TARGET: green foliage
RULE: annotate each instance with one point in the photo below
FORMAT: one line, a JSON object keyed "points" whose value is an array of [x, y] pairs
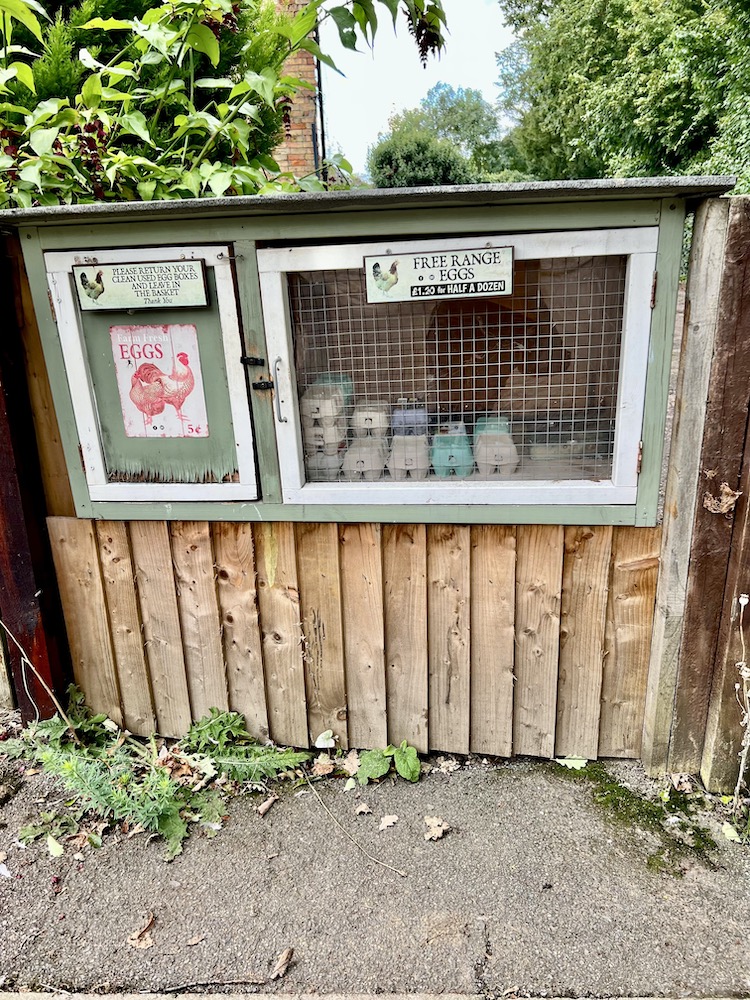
{"points": [[183, 99], [374, 764], [628, 87], [215, 732], [415, 159], [406, 761]]}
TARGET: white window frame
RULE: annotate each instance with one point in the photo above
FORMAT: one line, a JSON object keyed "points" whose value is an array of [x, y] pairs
{"points": [[59, 269], [640, 246]]}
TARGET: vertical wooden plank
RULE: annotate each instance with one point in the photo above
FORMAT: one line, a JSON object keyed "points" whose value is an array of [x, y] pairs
{"points": [[405, 607], [720, 760], [193, 560], [684, 486], [238, 607], [720, 462], [125, 625], [6, 692], [281, 631], [493, 603], [627, 639], [79, 579], [361, 563], [448, 647], [583, 610], [320, 601], [538, 585], [152, 560]]}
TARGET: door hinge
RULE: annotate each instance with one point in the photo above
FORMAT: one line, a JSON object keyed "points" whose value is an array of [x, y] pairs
{"points": [[639, 463], [264, 383], [252, 362], [653, 288]]}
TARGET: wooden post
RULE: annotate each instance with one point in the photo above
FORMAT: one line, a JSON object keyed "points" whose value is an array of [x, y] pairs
{"points": [[28, 594], [683, 512]]}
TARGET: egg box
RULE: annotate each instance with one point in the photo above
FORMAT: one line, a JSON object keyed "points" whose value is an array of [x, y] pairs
{"points": [[329, 439], [323, 403], [410, 456], [371, 419], [365, 459], [410, 418], [323, 467], [451, 454], [342, 382]]}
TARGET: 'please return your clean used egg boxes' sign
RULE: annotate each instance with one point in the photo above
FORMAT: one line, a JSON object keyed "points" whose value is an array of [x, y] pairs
{"points": [[171, 283], [439, 274]]}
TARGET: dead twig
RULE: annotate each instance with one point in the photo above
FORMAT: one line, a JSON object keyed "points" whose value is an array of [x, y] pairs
{"points": [[282, 963], [265, 806], [346, 833]]}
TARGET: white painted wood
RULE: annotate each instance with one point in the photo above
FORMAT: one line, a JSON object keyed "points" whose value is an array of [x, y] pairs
{"points": [[640, 244], [59, 266], [530, 246]]}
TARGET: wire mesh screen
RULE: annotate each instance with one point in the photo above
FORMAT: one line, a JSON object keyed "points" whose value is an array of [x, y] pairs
{"points": [[521, 386]]}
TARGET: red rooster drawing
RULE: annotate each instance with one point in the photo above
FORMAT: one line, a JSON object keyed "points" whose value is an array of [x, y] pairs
{"points": [[152, 389]]}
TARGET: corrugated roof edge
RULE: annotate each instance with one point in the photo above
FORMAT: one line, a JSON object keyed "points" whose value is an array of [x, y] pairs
{"points": [[380, 199]]}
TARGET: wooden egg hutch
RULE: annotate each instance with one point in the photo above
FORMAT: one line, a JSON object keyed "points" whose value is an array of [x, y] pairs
{"points": [[385, 463]]}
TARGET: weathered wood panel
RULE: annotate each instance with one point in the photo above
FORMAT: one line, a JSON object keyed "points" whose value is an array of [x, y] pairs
{"points": [[493, 603], [361, 564], [193, 560], [152, 560], [685, 484], [721, 462], [405, 606], [320, 600], [627, 640], [278, 603], [538, 588], [125, 625], [448, 619], [79, 577], [583, 610], [235, 575]]}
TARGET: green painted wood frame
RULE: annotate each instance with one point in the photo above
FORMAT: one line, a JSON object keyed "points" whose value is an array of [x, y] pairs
{"points": [[246, 233]]}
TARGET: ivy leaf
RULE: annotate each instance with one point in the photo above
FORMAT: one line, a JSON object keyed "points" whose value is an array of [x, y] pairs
{"points": [[406, 760], [202, 39], [135, 123], [263, 83], [54, 847], [325, 741], [146, 190], [373, 764], [91, 91], [42, 140]]}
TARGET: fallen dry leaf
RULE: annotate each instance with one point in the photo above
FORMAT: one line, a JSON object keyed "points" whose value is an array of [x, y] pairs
{"points": [[323, 765], [681, 783], [265, 806], [436, 827], [387, 821], [446, 765], [142, 939], [363, 809], [282, 963], [196, 940], [349, 764]]}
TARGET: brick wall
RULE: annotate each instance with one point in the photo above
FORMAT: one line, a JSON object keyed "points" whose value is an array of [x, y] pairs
{"points": [[298, 151]]}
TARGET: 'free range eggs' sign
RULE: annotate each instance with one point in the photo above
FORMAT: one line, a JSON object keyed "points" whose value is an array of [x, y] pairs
{"points": [[483, 271]]}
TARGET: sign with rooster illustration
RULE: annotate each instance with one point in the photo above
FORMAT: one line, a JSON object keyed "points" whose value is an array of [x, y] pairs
{"points": [[466, 274], [159, 380], [171, 283]]}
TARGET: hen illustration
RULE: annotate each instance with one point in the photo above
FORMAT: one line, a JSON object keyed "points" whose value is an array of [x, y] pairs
{"points": [[151, 388], [385, 281], [93, 288]]}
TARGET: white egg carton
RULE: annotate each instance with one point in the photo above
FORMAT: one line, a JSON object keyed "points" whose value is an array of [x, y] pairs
{"points": [[324, 467], [324, 403], [365, 459], [371, 419], [410, 456], [327, 438]]}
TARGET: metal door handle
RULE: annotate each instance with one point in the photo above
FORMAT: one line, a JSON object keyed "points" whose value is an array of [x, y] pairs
{"points": [[277, 401]]}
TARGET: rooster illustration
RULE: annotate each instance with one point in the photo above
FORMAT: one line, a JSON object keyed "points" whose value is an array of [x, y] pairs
{"points": [[385, 281], [93, 288], [152, 389]]}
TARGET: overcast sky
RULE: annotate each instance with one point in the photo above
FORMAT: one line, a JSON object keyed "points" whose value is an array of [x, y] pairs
{"points": [[390, 78]]}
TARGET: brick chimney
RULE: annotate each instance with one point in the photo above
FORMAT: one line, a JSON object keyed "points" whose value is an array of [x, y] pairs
{"points": [[303, 147]]}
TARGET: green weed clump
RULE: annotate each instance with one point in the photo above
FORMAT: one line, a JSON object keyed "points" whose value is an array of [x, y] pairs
{"points": [[152, 785]]}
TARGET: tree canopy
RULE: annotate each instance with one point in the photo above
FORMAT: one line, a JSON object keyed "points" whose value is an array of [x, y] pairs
{"points": [[628, 87], [127, 100]]}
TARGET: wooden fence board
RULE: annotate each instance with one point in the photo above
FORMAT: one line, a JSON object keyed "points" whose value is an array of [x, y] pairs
{"points": [[361, 563], [281, 630], [152, 560], [320, 601], [538, 587], [493, 603], [405, 603], [583, 610], [193, 560], [448, 591], [125, 625], [79, 578], [684, 480], [238, 606], [627, 640]]}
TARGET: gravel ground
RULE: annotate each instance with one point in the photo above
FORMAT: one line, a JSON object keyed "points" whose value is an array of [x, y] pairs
{"points": [[533, 890]]}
